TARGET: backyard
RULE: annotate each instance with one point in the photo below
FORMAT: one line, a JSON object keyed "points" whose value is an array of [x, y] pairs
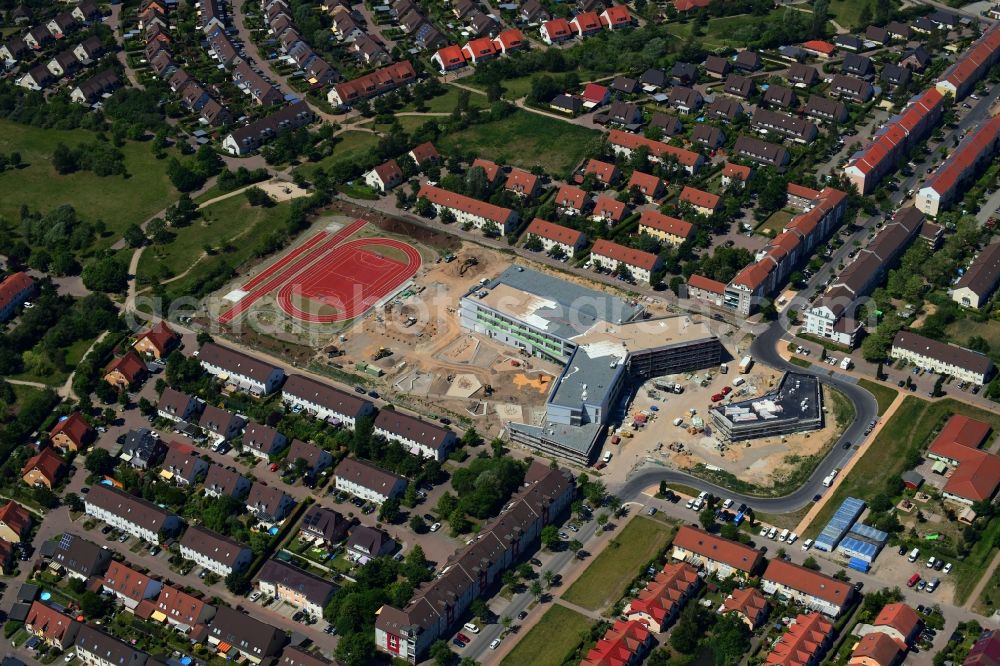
{"points": [[606, 578], [110, 198], [550, 641], [526, 140]]}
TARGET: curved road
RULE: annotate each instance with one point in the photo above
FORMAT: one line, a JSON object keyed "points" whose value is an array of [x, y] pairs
{"points": [[764, 350]]}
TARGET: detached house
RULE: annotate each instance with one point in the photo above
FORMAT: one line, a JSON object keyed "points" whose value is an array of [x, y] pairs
{"points": [[44, 469], [221, 481], [606, 174], [739, 86], [177, 406], [88, 50], [220, 425], [522, 183], [585, 24], [368, 542], [384, 177], [417, 436], [664, 228], [215, 552], [15, 522], [262, 441], [316, 458], [684, 99], [366, 481], [608, 210], [128, 585], [425, 154], [126, 371], [138, 517], [648, 185], [555, 31], [449, 58], [268, 504], [704, 203], [142, 449], [183, 464], [749, 605], [324, 527], [89, 91], [71, 433]]}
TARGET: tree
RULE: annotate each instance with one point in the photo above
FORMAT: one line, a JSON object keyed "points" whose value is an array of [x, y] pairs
{"points": [[536, 589], [258, 197], [707, 518], [93, 605], [74, 503], [417, 524], [133, 236], [64, 159], [389, 511], [819, 18], [548, 577], [811, 563], [479, 609], [688, 630], [99, 462], [550, 536], [441, 653], [575, 545], [356, 649], [237, 583], [107, 274], [730, 640], [602, 519]]}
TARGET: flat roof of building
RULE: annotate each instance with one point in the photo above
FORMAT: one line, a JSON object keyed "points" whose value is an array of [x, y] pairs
{"points": [[579, 438], [562, 308], [794, 399]]}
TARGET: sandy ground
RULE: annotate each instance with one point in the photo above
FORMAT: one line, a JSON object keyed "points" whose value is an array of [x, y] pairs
{"points": [[759, 461]]}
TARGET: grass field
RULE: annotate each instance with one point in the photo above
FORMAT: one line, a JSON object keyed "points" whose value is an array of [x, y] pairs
{"points": [[847, 12], [727, 31], [774, 225], [909, 428], [526, 139], [112, 198], [352, 146], [551, 640], [604, 581], [446, 102], [884, 395], [963, 329], [232, 227], [408, 123], [801, 362]]}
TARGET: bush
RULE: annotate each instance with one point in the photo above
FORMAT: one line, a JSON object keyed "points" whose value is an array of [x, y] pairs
{"points": [[11, 627]]}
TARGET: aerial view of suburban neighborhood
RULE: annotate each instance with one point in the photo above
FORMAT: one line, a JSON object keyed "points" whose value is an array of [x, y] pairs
{"points": [[500, 332]]}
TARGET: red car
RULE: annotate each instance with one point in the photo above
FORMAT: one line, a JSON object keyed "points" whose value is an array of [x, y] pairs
{"points": [[274, 467], [726, 390], [465, 639], [914, 579]]}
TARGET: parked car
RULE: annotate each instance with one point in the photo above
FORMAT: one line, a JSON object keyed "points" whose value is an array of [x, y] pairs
{"points": [[469, 626], [435, 527], [495, 643]]}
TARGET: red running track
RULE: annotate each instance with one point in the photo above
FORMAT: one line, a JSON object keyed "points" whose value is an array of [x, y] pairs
{"points": [[351, 279], [282, 272], [284, 261]]}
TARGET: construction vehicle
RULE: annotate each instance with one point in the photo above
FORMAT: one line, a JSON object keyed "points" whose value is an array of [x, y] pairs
{"points": [[410, 321], [467, 264], [381, 353], [488, 389]]}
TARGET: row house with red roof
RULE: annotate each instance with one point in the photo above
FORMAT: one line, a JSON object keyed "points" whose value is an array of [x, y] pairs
{"points": [[805, 643], [128, 585], [379, 82], [555, 237], [624, 143], [449, 58], [667, 229], [896, 623], [959, 79], [701, 288], [949, 181], [659, 603], [437, 606], [610, 256], [866, 169], [786, 251], [716, 555], [626, 643], [14, 291], [814, 590], [467, 210], [704, 203], [747, 604]]}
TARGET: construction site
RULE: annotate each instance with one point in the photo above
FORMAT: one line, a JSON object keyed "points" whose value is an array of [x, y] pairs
{"points": [[670, 423]]}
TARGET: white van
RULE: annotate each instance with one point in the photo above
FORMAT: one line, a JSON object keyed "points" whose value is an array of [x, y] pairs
{"points": [[738, 381], [784, 535], [792, 537], [607, 456], [914, 554], [771, 533], [807, 544]]}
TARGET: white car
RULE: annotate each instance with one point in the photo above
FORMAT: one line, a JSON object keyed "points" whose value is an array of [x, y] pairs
{"points": [[495, 643], [772, 533], [947, 568], [807, 544], [469, 626], [607, 456], [792, 537], [763, 531], [255, 596], [435, 527], [728, 503]]}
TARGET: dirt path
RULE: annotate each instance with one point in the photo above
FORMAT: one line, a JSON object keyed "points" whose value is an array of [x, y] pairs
{"points": [[984, 580]]}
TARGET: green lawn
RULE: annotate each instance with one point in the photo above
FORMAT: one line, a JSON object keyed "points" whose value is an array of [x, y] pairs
{"points": [[801, 362], [847, 12], [408, 123], [445, 103], [117, 200], [909, 428], [960, 331], [352, 146], [526, 139], [729, 31], [604, 581], [884, 395], [775, 224], [232, 227], [551, 640]]}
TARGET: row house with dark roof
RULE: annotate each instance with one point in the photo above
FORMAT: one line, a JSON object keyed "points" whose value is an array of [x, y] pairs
{"points": [[240, 370], [825, 110], [176, 406], [324, 527], [263, 441], [215, 552], [325, 402], [437, 606], [268, 504], [224, 481], [220, 425], [851, 87], [296, 587], [94, 647], [255, 85], [245, 140], [96, 87], [128, 513], [367, 481], [183, 464], [419, 437], [80, 558], [761, 152], [787, 125], [235, 634], [316, 459]]}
